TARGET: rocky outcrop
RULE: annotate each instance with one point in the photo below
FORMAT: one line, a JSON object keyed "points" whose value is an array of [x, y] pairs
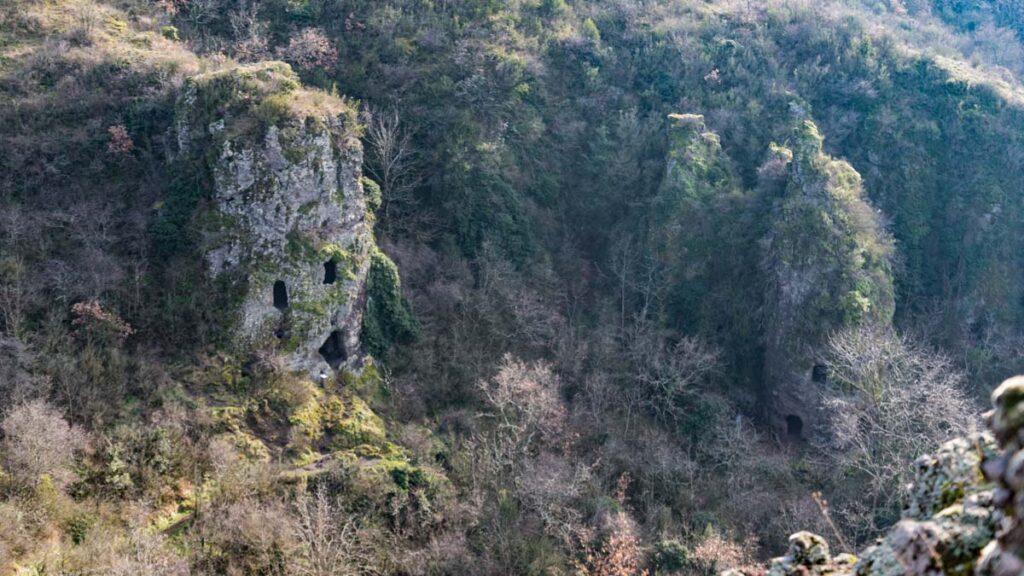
{"points": [[1005, 555], [966, 514], [696, 231], [288, 229], [819, 263], [826, 263]]}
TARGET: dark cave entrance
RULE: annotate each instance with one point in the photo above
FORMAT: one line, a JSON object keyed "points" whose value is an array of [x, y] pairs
{"points": [[333, 350], [330, 272], [819, 374], [794, 426], [280, 295]]}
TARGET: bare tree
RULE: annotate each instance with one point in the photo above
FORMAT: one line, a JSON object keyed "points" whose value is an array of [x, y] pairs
{"points": [[891, 401], [38, 441], [200, 13], [525, 404], [618, 550], [330, 538], [147, 552], [666, 373], [249, 31], [13, 294], [526, 415], [251, 536], [16, 290], [637, 275], [391, 161]]}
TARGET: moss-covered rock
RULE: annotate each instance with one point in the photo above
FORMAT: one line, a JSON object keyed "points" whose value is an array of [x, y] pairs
{"points": [[808, 554], [333, 423], [288, 220], [964, 518], [356, 424], [945, 478], [827, 262], [694, 220]]}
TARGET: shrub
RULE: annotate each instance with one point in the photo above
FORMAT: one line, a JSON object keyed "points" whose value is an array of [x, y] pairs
{"points": [[718, 552], [169, 32], [669, 556], [120, 143], [590, 31], [38, 441], [388, 316], [332, 541], [373, 194], [310, 50], [93, 323], [250, 537]]}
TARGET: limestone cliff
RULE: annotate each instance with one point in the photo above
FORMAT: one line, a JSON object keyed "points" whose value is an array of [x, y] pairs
{"points": [[697, 230], [827, 266], [288, 228]]}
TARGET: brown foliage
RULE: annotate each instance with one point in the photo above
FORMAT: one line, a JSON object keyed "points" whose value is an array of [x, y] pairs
{"points": [[38, 441], [120, 143], [310, 50], [91, 321]]}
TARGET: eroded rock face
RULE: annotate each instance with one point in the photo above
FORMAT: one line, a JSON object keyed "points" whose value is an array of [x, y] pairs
{"points": [[964, 517], [827, 266], [289, 229], [1005, 556]]}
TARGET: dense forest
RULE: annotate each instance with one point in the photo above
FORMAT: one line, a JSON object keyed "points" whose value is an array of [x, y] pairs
{"points": [[593, 287]]}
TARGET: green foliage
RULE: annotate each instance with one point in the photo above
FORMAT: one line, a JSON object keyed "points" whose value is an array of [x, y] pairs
{"points": [[548, 211], [590, 31], [702, 237], [78, 525], [669, 556], [341, 424], [171, 230], [373, 194], [406, 476], [826, 235], [169, 32], [388, 317], [246, 100], [554, 8], [357, 425]]}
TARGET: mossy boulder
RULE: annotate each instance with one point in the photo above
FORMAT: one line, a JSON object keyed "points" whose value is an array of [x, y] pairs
{"points": [[356, 424], [333, 423]]}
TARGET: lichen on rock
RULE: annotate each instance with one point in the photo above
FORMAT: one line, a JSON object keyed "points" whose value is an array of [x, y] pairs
{"points": [[827, 264], [964, 517], [288, 221]]}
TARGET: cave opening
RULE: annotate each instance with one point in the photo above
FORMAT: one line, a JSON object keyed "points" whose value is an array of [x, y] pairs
{"points": [[819, 374], [333, 350], [280, 295], [330, 272], [794, 426]]}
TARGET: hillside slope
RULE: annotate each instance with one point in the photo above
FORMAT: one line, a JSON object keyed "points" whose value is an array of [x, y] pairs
{"points": [[531, 287], [963, 516]]}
